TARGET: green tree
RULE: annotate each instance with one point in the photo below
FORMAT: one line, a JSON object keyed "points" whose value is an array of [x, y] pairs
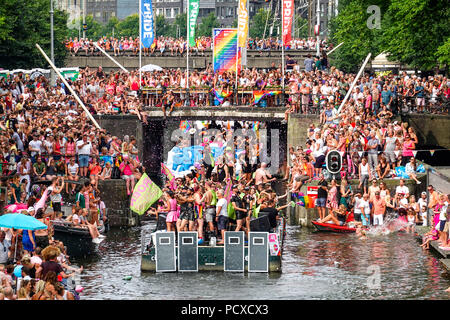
{"points": [[26, 23], [110, 26], [415, 30], [94, 29], [258, 23], [129, 27], [208, 24], [180, 23], [350, 27], [163, 28], [443, 53], [301, 28]]}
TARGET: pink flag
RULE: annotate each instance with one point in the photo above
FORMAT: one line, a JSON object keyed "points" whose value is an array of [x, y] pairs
{"points": [[228, 191], [41, 202], [166, 171]]}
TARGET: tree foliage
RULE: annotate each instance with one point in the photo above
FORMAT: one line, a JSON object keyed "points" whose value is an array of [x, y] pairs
{"points": [[258, 23], [414, 32], [25, 23], [207, 25], [94, 31]]}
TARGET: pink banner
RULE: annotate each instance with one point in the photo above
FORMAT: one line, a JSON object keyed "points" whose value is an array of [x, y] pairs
{"points": [[288, 13]]}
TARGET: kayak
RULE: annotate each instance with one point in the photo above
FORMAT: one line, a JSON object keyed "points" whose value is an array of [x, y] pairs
{"points": [[331, 227]]}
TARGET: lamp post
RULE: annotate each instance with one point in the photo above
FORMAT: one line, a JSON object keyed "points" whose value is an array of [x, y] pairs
{"points": [[52, 53]]}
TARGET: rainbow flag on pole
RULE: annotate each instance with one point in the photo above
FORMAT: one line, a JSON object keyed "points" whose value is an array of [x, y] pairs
{"points": [[221, 95], [258, 95], [225, 51]]}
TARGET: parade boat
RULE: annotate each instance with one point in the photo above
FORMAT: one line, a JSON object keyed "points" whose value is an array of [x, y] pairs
{"points": [[78, 241], [211, 257], [331, 227], [328, 226]]}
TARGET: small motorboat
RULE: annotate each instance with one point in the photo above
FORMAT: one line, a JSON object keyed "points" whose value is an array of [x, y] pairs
{"points": [[331, 227], [77, 240]]}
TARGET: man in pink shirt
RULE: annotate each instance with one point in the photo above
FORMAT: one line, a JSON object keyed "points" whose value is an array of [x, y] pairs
{"points": [[378, 209], [126, 168]]}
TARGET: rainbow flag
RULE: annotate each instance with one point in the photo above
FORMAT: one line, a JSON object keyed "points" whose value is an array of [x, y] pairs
{"points": [[258, 95], [166, 171], [185, 126], [225, 53], [221, 95], [255, 126], [303, 200]]}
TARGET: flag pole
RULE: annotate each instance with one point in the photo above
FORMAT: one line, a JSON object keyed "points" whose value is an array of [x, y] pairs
{"points": [[354, 82], [187, 52], [69, 87], [282, 42], [112, 59], [140, 43], [237, 61]]}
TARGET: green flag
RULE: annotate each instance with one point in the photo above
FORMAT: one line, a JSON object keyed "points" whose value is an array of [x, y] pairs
{"points": [[194, 7], [144, 195]]}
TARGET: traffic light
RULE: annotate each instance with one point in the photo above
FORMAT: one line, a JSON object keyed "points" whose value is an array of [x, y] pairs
{"points": [[334, 162]]}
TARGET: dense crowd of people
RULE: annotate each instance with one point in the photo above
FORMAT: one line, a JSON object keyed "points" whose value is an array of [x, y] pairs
{"points": [[51, 157], [47, 139], [170, 46]]}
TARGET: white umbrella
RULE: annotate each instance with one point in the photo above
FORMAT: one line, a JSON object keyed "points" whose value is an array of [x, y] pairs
{"points": [[150, 68]]}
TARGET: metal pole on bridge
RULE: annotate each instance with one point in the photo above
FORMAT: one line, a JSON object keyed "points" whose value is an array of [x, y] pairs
{"points": [[331, 51], [112, 59], [68, 86], [354, 82]]}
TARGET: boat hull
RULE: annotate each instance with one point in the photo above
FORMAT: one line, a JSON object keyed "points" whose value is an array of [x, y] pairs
{"points": [[328, 227], [78, 241], [212, 258]]}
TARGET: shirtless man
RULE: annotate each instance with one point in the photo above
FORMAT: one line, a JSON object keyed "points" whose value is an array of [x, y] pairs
{"points": [[198, 207], [186, 202], [261, 175], [210, 200]]}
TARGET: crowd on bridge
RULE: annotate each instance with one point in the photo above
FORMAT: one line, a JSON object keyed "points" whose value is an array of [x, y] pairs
{"points": [[169, 46]]}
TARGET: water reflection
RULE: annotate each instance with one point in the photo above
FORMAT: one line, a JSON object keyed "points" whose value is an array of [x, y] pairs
{"points": [[315, 266]]}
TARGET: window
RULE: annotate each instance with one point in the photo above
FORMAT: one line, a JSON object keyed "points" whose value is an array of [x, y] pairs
{"points": [[168, 12], [176, 11]]}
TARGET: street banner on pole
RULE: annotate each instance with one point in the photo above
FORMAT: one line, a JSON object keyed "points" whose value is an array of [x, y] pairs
{"points": [[242, 23], [225, 53], [288, 13], [147, 35], [194, 6]]}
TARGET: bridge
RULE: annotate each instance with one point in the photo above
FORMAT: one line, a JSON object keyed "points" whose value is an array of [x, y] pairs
{"points": [[240, 113], [255, 59]]}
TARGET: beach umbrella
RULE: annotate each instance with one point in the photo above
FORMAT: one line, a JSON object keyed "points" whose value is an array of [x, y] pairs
{"points": [[21, 221], [150, 68]]}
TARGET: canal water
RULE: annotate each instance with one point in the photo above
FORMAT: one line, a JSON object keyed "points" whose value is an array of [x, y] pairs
{"points": [[315, 266]]}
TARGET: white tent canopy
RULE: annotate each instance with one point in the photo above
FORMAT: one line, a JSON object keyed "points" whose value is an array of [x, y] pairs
{"points": [[150, 68], [382, 61]]}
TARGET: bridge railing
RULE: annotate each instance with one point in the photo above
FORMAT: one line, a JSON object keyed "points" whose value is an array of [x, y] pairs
{"points": [[269, 97], [207, 52]]}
